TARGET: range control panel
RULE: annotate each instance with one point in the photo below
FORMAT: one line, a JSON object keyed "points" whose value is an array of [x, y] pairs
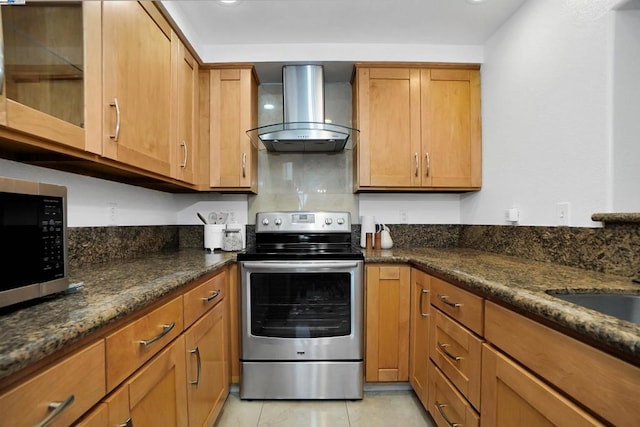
{"points": [[303, 221]]}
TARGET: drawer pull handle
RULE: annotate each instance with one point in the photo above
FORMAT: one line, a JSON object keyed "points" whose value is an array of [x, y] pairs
{"points": [[443, 347], [56, 409], [445, 299], [441, 407], [128, 423], [423, 292], [199, 362], [415, 156], [165, 330], [116, 134], [213, 295]]}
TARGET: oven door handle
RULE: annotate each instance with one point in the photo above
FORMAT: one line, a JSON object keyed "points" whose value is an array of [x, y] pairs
{"points": [[279, 265]]}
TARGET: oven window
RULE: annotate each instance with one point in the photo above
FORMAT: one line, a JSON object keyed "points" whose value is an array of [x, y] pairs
{"points": [[300, 305]]}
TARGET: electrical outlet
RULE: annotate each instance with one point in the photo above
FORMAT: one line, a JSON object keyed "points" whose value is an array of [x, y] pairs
{"points": [[563, 212], [112, 213], [404, 217]]}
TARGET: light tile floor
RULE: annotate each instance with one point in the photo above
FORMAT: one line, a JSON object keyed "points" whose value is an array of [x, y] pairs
{"points": [[376, 409]]}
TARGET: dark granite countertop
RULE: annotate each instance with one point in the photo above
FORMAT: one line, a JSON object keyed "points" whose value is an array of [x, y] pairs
{"points": [[524, 284], [112, 290]]}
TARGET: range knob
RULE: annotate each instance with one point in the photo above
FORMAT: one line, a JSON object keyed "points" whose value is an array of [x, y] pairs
{"points": [[265, 221], [328, 221], [278, 221], [340, 221]]}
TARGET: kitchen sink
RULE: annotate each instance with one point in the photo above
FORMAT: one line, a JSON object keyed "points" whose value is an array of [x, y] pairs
{"points": [[622, 306]]}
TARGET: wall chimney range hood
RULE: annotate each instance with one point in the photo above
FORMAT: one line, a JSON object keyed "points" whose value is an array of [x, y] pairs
{"points": [[303, 128]]}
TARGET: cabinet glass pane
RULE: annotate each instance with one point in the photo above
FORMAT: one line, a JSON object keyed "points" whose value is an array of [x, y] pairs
{"points": [[44, 58]]}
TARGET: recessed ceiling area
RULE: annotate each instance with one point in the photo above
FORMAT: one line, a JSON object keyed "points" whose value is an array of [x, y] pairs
{"points": [[268, 31]]}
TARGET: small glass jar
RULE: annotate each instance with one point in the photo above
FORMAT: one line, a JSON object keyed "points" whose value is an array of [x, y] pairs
{"points": [[232, 240]]}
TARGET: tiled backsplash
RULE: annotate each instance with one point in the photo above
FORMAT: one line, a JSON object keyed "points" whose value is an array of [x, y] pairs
{"points": [[613, 249], [311, 181]]}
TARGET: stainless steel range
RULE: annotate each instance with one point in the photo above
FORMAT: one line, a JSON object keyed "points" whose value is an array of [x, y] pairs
{"points": [[302, 308]]}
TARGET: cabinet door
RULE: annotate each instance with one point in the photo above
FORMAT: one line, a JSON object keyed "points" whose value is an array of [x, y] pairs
{"points": [[156, 394], [451, 133], [233, 110], [387, 323], [50, 69], [184, 113], [72, 386], [511, 396], [388, 116], [419, 339], [132, 345], [207, 366], [137, 85]]}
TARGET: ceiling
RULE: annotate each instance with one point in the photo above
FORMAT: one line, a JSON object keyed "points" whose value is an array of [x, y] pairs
{"points": [[285, 23]]}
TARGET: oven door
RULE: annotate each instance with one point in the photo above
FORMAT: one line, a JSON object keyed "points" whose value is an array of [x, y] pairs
{"points": [[302, 310]]}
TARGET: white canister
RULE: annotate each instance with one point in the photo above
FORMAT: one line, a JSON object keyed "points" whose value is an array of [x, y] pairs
{"points": [[367, 225], [213, 236]]}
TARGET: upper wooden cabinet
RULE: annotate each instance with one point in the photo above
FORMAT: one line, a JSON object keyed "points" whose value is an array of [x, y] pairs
{"points": [[420, 128], [136, 100], [184, 134], [52, 69], [229, 107]]}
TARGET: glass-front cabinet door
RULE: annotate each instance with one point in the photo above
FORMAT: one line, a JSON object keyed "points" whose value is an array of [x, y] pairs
{"points": [[45, 63]]}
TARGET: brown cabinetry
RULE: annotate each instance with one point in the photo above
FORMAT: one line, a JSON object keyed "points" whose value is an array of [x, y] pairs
{"points": [[184, 113], [420, 128], [136, 48], [419, 338], [387, 322], [455, 352], [513, 396], [207, 368], [51, 70], [129, 347], [229, 104], [156, 394], [601, 384], [62, 392]]}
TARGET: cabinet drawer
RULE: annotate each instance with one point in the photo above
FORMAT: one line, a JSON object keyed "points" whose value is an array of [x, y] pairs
{"points": [[446, 405], [606, 385], [80, 377], [129, 347], [457, 352], [463, 306], [204, 297]]}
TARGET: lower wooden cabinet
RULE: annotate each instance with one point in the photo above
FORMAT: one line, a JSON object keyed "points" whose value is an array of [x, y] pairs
{"points": [[600, 383], [387, 322], [72, 386], [447, 405], [156, 394], [512, 396], [207, 369], [419, 334]]}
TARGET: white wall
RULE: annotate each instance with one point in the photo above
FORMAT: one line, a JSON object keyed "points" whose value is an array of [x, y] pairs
{"points": [[626, 109], [95, 202], [546, 106]]}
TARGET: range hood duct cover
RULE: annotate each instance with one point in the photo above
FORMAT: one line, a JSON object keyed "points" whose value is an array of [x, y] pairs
{"points": [[303, 128]]}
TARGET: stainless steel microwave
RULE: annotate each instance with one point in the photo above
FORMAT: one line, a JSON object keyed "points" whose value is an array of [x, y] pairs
{"points": [[33, 240]]}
